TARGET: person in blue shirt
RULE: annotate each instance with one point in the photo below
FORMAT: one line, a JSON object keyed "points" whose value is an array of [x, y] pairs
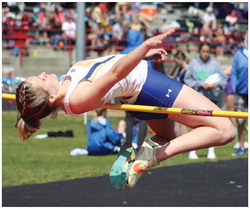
{"points": [[239, 83], [102, 138]]}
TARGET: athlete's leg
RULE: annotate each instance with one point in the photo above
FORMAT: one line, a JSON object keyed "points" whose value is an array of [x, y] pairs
{"points": [[206, 132]]}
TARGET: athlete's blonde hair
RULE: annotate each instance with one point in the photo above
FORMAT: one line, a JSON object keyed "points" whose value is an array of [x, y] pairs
{"points": [[32, 105]]}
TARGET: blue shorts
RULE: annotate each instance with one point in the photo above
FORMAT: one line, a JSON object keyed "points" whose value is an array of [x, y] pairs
{"points": [[158, 90]]}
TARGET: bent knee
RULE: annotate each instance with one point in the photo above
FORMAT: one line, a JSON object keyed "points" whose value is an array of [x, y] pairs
{"points": [[227, 131]]}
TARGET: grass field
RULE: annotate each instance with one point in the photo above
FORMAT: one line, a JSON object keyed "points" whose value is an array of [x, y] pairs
{"points": [[46, 160]]}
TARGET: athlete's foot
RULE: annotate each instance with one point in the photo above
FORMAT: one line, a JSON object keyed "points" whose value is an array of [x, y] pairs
{"points": [[145, 159], [119, 170]]}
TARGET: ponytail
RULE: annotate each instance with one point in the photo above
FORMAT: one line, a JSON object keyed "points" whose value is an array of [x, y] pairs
{"points": [[26, 126], [32, 105]]}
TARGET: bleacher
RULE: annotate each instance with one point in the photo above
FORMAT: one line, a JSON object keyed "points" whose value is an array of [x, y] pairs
{"points": [[44, 58]]}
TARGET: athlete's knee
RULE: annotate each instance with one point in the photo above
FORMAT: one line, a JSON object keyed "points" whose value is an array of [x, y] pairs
{"points": [[227, 131]]}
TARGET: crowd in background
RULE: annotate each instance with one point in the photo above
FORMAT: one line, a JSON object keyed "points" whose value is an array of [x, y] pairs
{"points": [[54, 23]]}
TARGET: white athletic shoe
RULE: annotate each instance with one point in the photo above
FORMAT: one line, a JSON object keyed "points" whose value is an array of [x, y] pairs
{"points": [[246, 145], [192, 155], [211, 156], [211, 153], [237, 145], [145, 159]]}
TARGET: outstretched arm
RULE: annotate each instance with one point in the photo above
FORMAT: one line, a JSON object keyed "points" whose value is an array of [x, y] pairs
{"points": [[126, 64], [88, 95]]}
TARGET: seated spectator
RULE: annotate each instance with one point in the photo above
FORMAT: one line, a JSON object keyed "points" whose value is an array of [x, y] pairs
{"points": [[232, 21], [136, 24], [94, 12], [178, 73], [35, 20], [134, 39], [117, 30], [102, 138], [207, 36], [181, 63], [69, 29], [208, 20], [96, 35], [220, 42], [104, 6], [124, 10], [9, 24], [59, 14], [56, 35]]}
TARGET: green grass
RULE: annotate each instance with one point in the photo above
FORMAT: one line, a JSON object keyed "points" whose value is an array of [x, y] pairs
{"points": [[46, 160]]}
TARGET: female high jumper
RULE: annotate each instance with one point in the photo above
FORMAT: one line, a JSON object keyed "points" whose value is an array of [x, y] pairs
{"points": [[92, 83]]}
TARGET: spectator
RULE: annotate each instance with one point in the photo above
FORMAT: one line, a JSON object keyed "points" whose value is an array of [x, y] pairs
{"points": [[124, 10], [56, 34], [104, 6], [220, 41], [95, 34], [69, 29], [42, 13], [232, 21], [8, 23], [131, 124], [178, 73], [117, 30], [229, 94], [206, 76], [134, 39], [135, 23], [97, 22], [181, 64], [94, 12], [117, 34], [102, 138], [208, 19], [59, 14], [207, 36], [239, 82], [36, 21]]}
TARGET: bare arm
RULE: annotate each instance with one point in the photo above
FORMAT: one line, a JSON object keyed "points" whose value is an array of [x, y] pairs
{"points": [[88, 95]]}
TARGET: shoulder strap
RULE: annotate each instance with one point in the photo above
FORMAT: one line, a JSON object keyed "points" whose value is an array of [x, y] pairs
{"points": [[72, 86]]}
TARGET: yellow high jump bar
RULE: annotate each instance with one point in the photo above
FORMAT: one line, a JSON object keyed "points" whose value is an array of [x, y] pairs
{"points": [[8, 96], [164, 110]]}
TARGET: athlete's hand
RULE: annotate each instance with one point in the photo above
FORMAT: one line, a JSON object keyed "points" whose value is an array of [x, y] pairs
{"points": [[157, 55], [157, 41]]}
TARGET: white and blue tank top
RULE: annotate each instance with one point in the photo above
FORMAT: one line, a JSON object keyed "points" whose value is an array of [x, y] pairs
{"points": [[126, 90]]}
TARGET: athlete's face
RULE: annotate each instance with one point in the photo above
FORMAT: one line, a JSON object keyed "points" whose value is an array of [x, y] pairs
{"points": [[48, 82], [205, 53]]}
